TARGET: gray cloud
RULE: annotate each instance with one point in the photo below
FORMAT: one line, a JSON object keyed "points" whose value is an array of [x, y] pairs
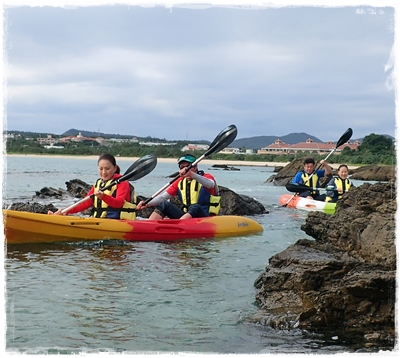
{"points": [[181, 72]]}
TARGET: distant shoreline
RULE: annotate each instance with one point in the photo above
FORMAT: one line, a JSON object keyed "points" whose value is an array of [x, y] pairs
{"points": [[237, 163], [161, 160]]}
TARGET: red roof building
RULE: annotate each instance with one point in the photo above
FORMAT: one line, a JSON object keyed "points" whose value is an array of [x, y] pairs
{"points": [[279, 147]]}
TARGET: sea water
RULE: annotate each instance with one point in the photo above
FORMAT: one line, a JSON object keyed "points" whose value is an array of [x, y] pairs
{"points": [[131, 297]]}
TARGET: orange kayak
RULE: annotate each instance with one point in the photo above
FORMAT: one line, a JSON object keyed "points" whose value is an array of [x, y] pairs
{"points": [[307, 204]]}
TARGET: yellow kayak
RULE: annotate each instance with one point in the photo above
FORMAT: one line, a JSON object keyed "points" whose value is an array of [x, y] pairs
{"points": [[22, 227]]}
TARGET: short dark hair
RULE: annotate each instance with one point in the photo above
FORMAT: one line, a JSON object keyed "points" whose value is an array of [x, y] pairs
{"points": [[343, 165], [111, 159], [309, 161]]}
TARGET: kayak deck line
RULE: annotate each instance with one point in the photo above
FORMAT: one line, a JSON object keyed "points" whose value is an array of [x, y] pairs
{"points": [[83, 223], [26, 227]]}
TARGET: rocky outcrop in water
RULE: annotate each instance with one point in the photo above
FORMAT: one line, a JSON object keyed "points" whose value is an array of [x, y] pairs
{"points": [[32, 207], [344, 281], [231, 202], [374, 173], [225, 167]]}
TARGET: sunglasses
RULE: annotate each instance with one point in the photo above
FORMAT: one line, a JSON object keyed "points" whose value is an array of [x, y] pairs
{"points": [[183, 166]]}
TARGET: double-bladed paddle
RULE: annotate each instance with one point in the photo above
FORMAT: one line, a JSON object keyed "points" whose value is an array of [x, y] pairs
{"points": [[137, 170], [221, 141], [301, 188], [342, 140]]}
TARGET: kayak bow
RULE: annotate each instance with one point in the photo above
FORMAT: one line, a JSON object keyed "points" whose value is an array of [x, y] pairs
{"points": [[307, 204]]}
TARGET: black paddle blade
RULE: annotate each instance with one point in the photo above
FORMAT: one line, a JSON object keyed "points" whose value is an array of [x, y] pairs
{"points": [[140, 168], [297, 188], [344, 138], [222, 140]]}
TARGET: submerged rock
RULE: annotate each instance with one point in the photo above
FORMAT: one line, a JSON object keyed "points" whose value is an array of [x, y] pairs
{"points": [[225, 167], [343, 281]]}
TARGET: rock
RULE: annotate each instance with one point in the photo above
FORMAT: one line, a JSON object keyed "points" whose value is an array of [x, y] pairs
{"points": [[32, 207], [363, 226], [77, 188], [46, 192], [287, 173], [237, 204], [374, 173], [224, 167], [344, 281]]}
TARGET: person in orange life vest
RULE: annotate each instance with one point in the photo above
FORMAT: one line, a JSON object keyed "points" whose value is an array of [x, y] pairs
{"points": [[311, 179], [338, 185], [197, 191], [114, 203]]}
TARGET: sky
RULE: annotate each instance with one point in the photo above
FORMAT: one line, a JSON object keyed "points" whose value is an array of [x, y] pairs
{"points": [[188, 71]]}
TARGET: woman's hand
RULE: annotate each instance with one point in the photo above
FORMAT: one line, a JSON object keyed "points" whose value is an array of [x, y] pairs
{"points": [[99, 194], [58, 212]]}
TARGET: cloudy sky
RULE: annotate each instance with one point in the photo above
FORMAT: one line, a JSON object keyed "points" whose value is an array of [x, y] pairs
{"points": [[187, 72]]}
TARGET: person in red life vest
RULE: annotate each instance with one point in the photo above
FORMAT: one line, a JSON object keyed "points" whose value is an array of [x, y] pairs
{"points": [[198, 192], [338, 185], [114, 203]]}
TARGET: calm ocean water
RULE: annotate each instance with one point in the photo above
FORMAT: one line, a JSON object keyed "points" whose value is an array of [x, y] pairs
{"points": [[191, 296]]}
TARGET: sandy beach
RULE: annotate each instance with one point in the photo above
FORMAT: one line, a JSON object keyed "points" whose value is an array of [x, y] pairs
{"points": [[236, 163], [162, 160]]}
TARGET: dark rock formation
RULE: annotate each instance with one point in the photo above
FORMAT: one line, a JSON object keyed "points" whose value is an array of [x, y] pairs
{"points": [[32, 207], [224, 167], [286, 174], [237, 204], [48, 191], [77, 188], [344, 281], [374, 172]]}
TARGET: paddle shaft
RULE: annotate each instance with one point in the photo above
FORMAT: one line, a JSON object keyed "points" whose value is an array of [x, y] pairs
{"points": [[86, 198], [306, 188], [166, 186], [222, 140]]}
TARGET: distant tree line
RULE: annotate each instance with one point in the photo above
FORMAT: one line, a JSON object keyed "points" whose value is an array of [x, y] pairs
{"points": [[375, 149]]}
